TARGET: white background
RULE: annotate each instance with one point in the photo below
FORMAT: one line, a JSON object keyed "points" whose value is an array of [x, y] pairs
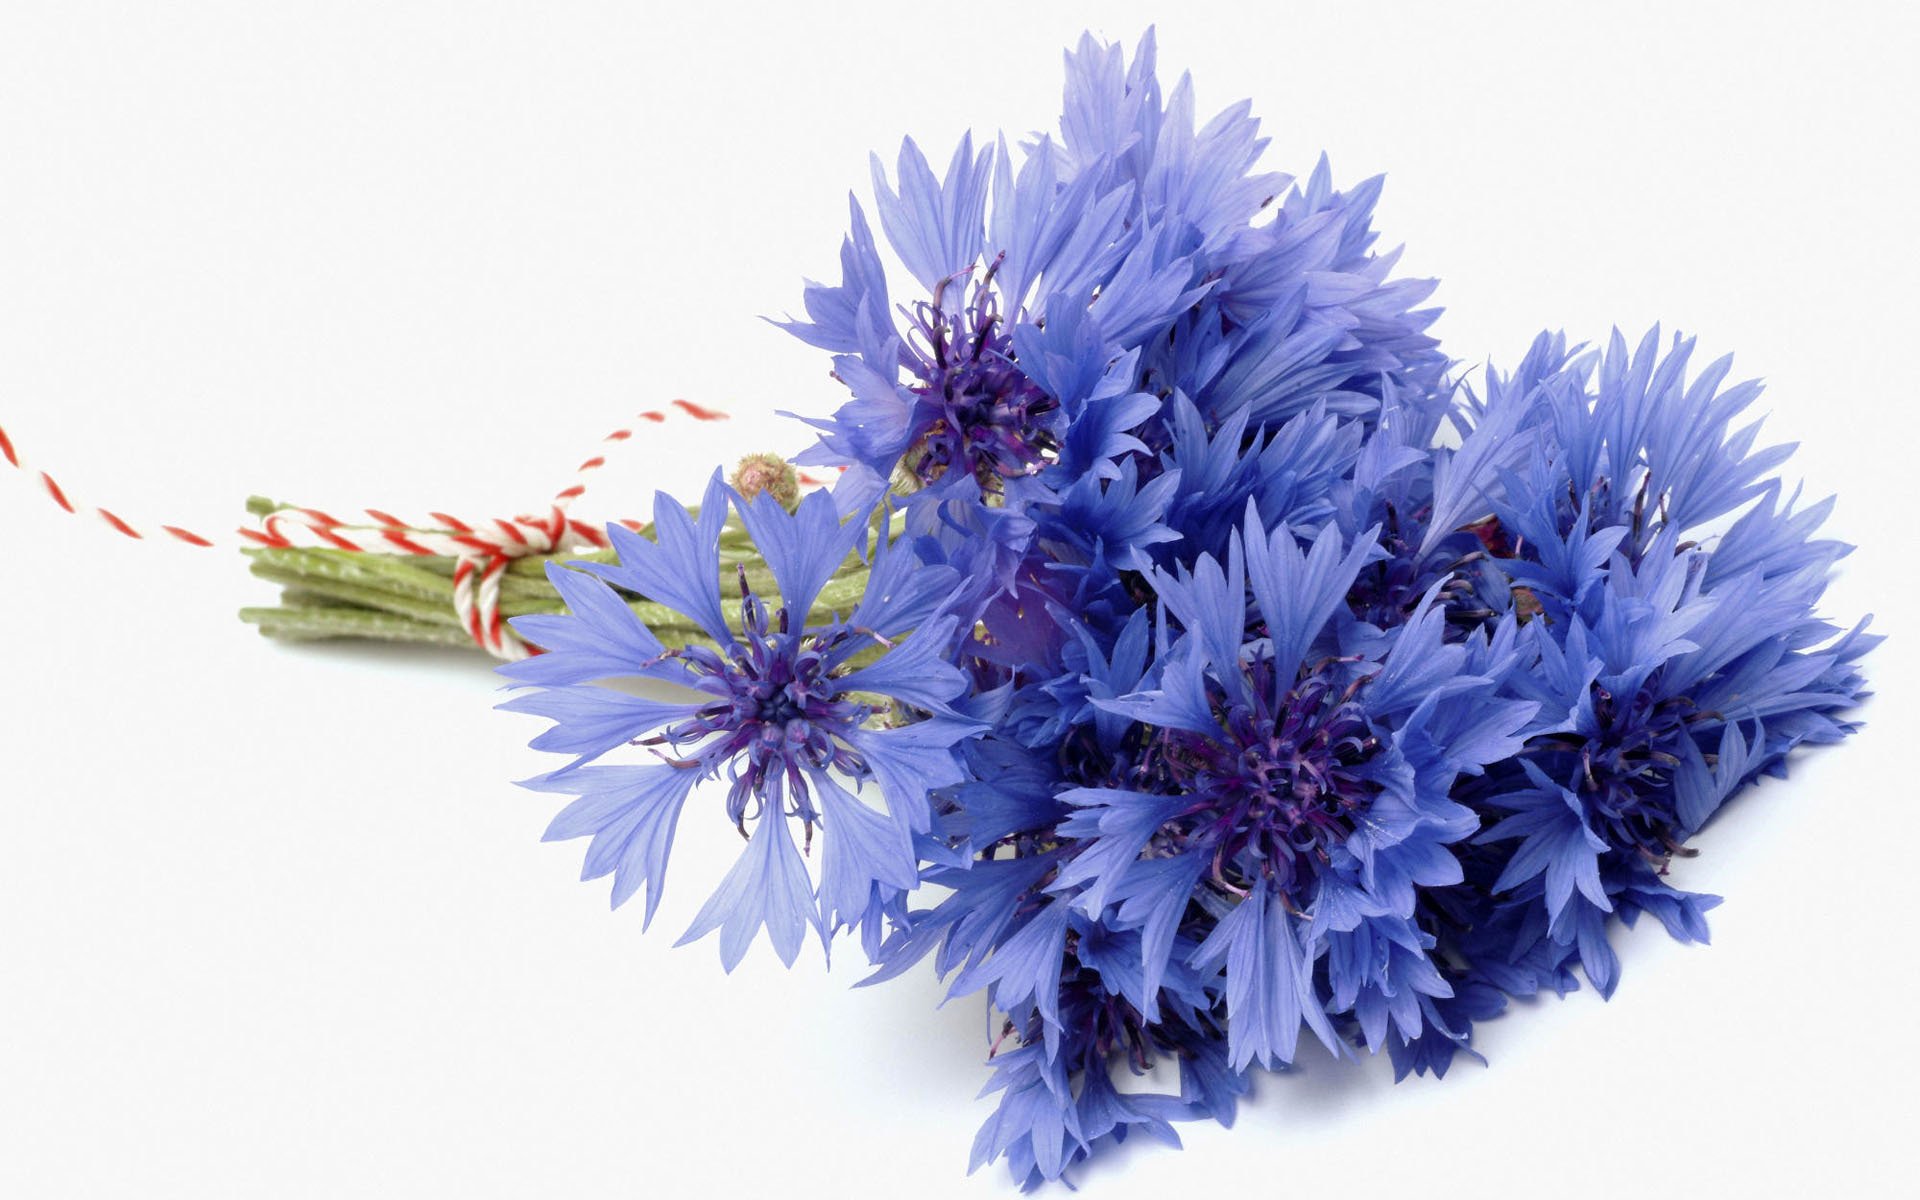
{"points": [[274, 922]]}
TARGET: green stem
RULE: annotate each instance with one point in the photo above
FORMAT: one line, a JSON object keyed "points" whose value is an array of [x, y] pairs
{"points": [[317, 624], [347, 594], [340, 586]]}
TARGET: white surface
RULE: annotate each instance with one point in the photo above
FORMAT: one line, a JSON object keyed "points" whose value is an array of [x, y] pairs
{"points": [[274, 922]]}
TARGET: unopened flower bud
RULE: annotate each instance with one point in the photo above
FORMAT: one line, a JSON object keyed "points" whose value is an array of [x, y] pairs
{"points": [[768, 473]]}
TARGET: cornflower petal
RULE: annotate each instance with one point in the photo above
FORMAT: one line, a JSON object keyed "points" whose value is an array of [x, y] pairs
{"points": [[590, 720], [680, 566], [767, 886], [630, 814]]}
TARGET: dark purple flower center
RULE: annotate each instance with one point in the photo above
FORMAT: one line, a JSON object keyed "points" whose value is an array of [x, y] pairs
{"points": [[1086, 760], [1623, 775], [977, 413], [1099, 1023], [1385, 593], [1281, 786], [778, 712]]}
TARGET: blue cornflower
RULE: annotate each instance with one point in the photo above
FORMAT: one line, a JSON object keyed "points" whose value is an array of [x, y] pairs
{"points": [[1296, 796], [1076, 1000], [1062, 300], [1290, 475], [1053, 1064], [807, 720], [1071, 991], [1430, 502], [1673, 664], [988, 395], [1230, 834], [1112, 340]]}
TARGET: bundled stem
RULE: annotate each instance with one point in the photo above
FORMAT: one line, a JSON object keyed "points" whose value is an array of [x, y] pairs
{"points": [[327, 594]]}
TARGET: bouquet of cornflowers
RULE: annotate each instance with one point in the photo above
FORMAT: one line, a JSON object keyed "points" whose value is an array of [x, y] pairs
{"points": [[1185, 658]]}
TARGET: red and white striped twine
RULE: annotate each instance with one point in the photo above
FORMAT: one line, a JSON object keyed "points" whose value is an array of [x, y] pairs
{"points": [[482, 549], [59, 496]]}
